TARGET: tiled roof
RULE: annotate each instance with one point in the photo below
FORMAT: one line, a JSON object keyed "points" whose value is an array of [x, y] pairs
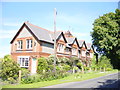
{"points": [[41, 33], [89, 45], [70, 39], [57, 35]]}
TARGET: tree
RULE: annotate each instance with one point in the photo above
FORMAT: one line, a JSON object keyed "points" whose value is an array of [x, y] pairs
{"points": [[9, 70], [104, 63], [106, 36]]}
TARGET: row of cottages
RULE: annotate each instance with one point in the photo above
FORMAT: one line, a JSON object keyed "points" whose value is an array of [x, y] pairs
{"points": [[32, 42]]}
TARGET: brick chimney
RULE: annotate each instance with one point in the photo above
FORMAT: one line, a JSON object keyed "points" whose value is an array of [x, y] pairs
{"points": [[68, 34]]}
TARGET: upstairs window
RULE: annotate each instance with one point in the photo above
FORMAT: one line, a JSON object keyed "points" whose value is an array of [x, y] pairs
{"points": [[20, 44], [74, 51], [67, 50], [83, 53], [60, 47], [29, 44]]}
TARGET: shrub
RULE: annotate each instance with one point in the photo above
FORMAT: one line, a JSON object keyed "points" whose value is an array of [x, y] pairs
{"points": [[109, 69], [66, 67], [31, 79], [24, 72], [9, 70], [42, 65]]}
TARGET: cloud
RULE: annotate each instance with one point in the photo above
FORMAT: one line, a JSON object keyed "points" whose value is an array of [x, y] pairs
{"points": [[11, 24]]}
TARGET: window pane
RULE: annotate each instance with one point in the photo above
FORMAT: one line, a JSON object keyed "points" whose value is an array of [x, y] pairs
{"points": [[23, 61], [21, 44], [26, 62], [31, 43], [27, 43]]}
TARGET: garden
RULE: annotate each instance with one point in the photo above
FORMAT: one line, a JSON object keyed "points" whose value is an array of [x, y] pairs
{"points": [[67, 70]]}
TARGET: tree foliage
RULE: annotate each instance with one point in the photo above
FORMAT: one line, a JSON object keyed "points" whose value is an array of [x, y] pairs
{"points": [[9, 70], [106, 36]]}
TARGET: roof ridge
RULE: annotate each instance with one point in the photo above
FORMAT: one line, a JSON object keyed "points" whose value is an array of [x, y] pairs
{"points": [[39, 27]]}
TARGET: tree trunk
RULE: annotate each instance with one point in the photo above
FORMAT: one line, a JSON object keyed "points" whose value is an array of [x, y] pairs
{"points": [[104, 69]]}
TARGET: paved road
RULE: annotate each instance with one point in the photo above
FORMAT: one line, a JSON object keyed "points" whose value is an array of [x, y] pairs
{"points": [[108, 81]]}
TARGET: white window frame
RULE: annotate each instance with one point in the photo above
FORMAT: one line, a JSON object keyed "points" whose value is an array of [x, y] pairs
{"points": [[29, 44], [74, 51], [60, 47], [19, 44], [67, 50], [91, 55], [23, 63], [83, 53]]}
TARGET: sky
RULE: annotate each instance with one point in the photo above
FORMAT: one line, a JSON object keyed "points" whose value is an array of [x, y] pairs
{"points": [[77, 17]]}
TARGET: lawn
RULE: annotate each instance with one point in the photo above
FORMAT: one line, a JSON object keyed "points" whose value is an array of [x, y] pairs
{"points": [[71, 78]]}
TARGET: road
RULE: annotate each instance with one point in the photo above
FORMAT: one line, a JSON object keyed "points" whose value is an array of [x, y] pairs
{"points": [[108, 81]]}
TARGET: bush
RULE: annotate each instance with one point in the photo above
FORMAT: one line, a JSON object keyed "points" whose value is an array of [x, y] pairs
{"points": [[109, 69], [24, 72], [48, 76], [10, 70], [66, 67], [31, 79], [42, 65]]}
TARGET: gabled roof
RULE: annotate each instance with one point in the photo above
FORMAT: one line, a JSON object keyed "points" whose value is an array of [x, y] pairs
{"points": [[70, 40], [58, 34], [81, 42], [89, 46], [39, 33]]}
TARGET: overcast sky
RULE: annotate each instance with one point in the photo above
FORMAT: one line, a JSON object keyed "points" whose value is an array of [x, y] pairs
{"points": [[77, 17]]}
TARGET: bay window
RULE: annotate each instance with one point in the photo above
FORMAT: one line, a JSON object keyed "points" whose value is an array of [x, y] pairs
{"points": [[23, 61]]}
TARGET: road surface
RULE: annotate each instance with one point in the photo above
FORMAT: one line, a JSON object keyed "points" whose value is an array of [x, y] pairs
{"points": [[108, 81]]}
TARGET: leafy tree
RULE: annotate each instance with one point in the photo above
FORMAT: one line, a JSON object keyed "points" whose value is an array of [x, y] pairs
{"points": [[9, 70], [104, 63], [106, 36]]}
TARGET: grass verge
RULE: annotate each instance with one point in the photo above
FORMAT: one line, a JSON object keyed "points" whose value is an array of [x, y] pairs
{"points": [[71, 78]]}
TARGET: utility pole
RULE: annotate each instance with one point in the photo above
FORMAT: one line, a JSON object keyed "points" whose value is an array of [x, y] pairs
{"points": [[55, 13]]}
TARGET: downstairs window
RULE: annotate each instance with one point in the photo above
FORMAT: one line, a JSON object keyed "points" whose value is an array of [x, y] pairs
{"points": [[23, 61]]}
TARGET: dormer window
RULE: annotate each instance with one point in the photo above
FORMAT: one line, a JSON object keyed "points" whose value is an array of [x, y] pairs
{"points": [[20, 44], [29, 44]]}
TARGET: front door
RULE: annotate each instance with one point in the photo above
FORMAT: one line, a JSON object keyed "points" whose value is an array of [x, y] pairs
{"points": [[34, 66]]}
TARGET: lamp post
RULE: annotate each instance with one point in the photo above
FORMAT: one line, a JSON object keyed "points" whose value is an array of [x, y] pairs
{"points": [[55, 13]]}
